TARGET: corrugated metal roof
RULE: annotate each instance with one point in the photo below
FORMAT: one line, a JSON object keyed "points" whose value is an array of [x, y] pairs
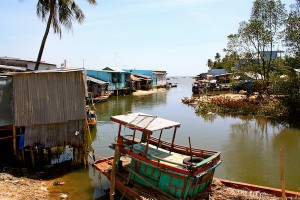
{"points": [[44, 71], [143, 121], [113, 69], [20, 60], [88, 78], [159, 72], [13, 67], [143, 77]]}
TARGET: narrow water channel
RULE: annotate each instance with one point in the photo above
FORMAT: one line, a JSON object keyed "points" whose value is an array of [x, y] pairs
{"points": [[250, 148]]}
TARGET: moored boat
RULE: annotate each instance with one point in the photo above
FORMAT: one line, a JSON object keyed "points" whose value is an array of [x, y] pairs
{"points": [[197, 87], [144, 161], [101, 98]]}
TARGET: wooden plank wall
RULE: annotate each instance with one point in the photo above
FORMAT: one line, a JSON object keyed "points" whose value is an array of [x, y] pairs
{"points": [[48, 98]]}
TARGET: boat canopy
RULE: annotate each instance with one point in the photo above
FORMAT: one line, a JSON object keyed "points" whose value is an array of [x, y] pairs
{"points": [[144, 122]]}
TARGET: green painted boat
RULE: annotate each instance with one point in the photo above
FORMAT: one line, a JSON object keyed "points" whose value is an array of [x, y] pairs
{"points": [[144, 161]]}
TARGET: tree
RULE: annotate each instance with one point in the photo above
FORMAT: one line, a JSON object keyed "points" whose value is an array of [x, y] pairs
{"points": [[210, 63], [292, 30], [259, 35], [60, 13]]}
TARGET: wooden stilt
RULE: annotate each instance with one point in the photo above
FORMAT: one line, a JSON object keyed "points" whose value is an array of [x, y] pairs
{"points": [[32, 157], [15, 141], [23, 157]]}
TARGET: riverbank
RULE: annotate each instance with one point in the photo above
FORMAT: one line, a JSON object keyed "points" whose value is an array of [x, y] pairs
{"points": [[23, 188]]}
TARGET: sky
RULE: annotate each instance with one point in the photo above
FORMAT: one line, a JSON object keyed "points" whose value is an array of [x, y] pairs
{"points": [[177, 36]]}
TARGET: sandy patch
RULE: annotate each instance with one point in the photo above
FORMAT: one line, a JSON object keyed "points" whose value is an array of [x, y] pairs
{"points": [[144, 92]]}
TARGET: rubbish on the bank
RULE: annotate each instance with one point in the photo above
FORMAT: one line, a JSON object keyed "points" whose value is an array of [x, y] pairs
{"points": [[56, 183], [63, 196]]}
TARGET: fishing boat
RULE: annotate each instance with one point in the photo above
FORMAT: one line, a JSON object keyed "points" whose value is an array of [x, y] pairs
{"points": [[146, 166], [91, 117], [197, 87]]}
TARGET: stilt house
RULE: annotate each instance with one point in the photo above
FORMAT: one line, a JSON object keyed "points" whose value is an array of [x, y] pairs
{"points": [[43, 109]]}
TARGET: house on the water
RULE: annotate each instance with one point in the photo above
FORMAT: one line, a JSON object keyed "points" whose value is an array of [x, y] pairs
{"points": [[119, 80], [41, 110], [97, 90], [159, 78], [8, 64]]}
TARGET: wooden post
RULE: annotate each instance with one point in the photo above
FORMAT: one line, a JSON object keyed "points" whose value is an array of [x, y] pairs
{"points": [[23, 157], [282, 172], [159, 138], [32, 157], [173, 139], [14, 141], [113, 173], [191, 149]]}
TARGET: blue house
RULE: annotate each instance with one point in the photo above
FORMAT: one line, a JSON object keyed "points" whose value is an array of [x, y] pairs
{"points": [[159, 78], [119, 80]]}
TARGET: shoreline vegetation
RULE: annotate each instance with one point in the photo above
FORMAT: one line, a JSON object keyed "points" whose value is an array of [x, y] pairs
{"points": [[240, 105]]}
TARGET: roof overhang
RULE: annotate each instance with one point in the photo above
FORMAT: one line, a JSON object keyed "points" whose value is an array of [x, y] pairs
{"points": [[13, 68], [88, 78]]}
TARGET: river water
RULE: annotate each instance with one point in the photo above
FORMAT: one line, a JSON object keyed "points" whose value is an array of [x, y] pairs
{"points": [[250, 147]]}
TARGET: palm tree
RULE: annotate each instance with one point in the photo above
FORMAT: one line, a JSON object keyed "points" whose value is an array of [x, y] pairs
{"points": [[209, 63], [60, 13]]}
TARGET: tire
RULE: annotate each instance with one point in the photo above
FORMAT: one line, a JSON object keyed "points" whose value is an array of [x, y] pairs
{"points": [[194, 160]]}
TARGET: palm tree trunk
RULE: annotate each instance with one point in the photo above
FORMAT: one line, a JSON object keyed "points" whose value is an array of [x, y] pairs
{"points": [[43, 42]]}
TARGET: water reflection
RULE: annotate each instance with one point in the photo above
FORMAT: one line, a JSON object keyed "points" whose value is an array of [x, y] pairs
{"points": [[252, 153]]}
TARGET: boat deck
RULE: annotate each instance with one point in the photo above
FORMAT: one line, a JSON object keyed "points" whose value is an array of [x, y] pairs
{"points": [[165, 156]]}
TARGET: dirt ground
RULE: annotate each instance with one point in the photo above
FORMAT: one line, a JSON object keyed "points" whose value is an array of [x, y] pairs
{"points": [[21, 188]]}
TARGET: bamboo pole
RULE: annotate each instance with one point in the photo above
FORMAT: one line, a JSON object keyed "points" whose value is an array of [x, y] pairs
{"points": [[282, 172], [113, 174]]}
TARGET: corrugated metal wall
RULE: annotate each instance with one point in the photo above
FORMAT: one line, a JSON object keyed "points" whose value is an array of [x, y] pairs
{"points": [[6, 107], [55, 134], [48, 98]]}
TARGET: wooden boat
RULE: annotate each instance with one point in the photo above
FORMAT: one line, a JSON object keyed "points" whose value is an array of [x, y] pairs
{"points": [[258, 188], [172, 170], [101, 98], [91, 117]]}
